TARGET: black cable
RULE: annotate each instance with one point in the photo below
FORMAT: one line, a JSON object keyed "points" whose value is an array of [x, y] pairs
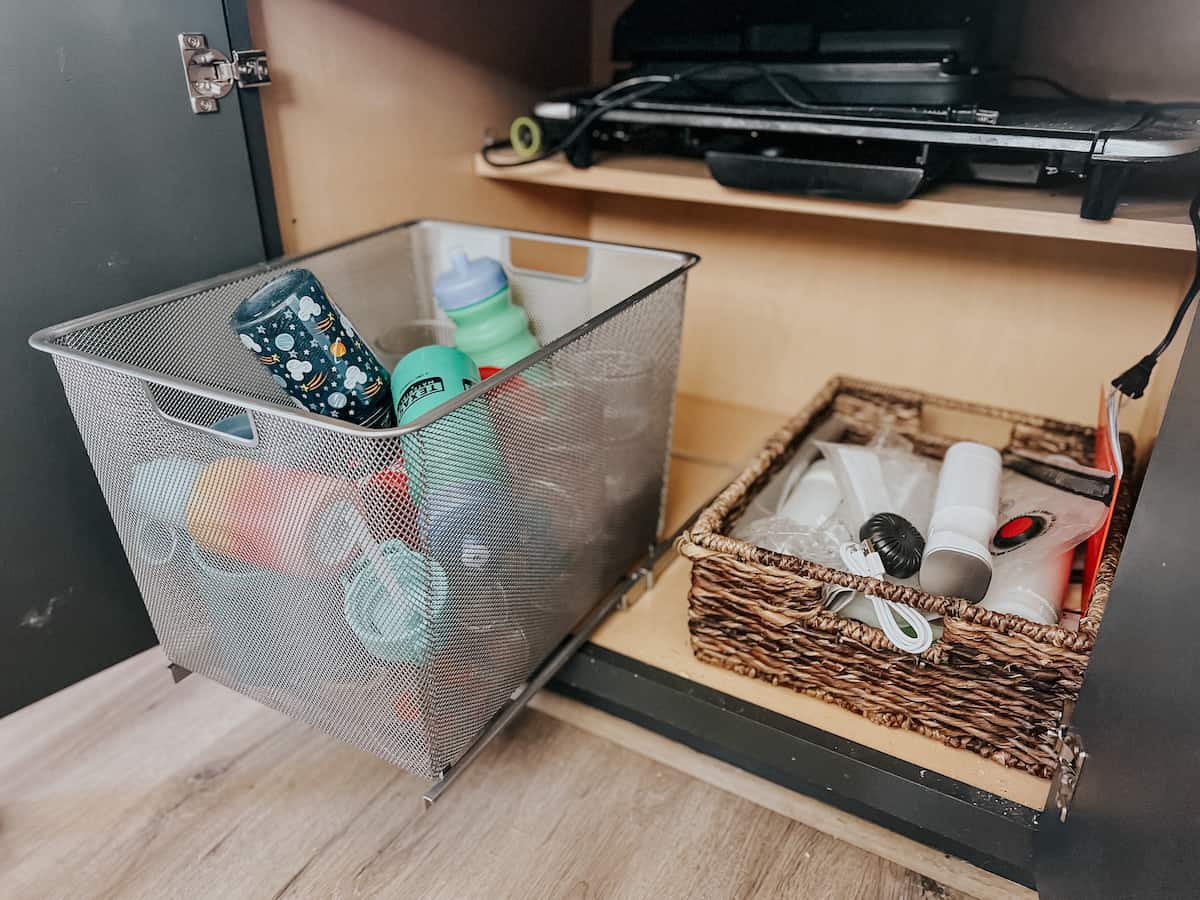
{"points": [[629, 97], [1145, 105], [1058, 86], [1133, 381], [573, 135], [588, 118], [812, 105]]}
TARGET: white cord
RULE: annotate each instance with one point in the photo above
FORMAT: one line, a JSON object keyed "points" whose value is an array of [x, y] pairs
{"points": [[860, 562], [839, 598], [631, 82]]}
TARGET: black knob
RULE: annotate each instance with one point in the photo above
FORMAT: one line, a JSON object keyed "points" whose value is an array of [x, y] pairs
{"points": [[897, 541]]}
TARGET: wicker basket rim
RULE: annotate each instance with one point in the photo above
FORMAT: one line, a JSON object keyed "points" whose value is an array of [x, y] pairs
{"points": [[703, 539]]}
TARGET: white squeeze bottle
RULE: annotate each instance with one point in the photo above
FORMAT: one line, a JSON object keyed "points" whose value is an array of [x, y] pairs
{"points": [[957, 561], [814, 498], [1033, 591], [490, 329]]}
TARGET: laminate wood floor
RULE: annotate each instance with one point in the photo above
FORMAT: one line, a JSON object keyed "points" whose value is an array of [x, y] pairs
{"points": [[127, 786]]}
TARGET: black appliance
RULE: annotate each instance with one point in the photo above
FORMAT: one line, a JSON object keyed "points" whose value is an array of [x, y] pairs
{"points": [[920, 52], [861, 99]]}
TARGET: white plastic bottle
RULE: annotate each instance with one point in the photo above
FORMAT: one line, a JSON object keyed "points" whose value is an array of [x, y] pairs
{"points": [[814, 498], [957, 561], [1034, 591]]}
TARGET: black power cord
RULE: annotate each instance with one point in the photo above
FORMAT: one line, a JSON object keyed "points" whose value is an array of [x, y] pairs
{"points": [[1133, 381], [1146, 106], [1061, 88], [940, 113], [647, 85], [581, 126]]}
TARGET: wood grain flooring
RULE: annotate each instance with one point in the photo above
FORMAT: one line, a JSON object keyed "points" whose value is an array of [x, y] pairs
{"points": [[127, 786]]}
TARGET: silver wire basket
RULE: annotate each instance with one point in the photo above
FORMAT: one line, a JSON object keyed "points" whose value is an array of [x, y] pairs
{"points": [[397, 623]]}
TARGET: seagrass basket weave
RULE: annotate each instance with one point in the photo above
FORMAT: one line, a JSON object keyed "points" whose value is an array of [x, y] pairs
{"points": [[995, 684]]}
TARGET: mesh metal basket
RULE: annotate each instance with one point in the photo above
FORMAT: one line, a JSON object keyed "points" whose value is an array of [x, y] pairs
{"points": [[294, 567]]}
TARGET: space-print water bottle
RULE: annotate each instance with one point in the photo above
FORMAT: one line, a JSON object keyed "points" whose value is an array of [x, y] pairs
{"points": [[312, 350]]}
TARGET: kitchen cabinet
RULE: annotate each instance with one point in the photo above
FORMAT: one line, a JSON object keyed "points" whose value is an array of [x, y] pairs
{"points": [[995, 295]]}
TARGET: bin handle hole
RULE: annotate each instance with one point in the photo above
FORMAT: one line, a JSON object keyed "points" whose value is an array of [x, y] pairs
{"points": [[965, 426], [567, 261], [224, 420]]}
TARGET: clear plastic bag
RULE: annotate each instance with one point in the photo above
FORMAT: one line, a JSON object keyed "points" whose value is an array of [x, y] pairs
{"points": [[882, 479], [769, 501], [818, 544], [816, 534]]}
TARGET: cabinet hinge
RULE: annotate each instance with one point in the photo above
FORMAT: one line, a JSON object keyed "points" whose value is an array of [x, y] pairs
{"points": [[210, 74], [1071, 756]]}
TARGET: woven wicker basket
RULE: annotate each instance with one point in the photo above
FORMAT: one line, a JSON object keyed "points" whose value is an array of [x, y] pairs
{"points": [[995, 684]]}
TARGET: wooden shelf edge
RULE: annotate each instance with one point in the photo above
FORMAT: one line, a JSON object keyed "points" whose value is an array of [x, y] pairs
{"points": [[942, 208]]}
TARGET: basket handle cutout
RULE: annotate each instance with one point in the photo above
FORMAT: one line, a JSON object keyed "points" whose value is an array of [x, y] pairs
{"points": [[224, 420], [572, 262], [967, 426]]}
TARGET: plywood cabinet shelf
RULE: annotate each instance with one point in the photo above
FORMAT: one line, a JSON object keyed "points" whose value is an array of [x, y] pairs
{"points": [[1150, 218]]}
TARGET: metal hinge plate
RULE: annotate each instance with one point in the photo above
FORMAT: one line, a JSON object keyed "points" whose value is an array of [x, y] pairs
{"points": [[1071, 756], [644, 576], [210, 74]]}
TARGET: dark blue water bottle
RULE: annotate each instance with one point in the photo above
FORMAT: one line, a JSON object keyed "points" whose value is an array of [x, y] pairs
{"points": [[313, 351]]}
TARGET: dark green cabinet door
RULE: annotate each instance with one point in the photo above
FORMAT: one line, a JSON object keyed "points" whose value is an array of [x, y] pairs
{"points": [[112, 189]]}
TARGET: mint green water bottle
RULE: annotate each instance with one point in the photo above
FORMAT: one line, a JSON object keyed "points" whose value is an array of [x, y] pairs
{"points": [[460, 446], [489, 328]]}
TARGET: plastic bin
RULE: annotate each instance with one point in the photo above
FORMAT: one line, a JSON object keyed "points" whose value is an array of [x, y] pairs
{"points": [[395, 622]]}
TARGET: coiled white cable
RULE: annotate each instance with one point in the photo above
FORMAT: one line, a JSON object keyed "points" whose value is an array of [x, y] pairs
{"points": [[868, 564]]}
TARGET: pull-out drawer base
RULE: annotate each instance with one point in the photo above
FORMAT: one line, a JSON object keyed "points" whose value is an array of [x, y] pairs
{"points": [[639, 666]]}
